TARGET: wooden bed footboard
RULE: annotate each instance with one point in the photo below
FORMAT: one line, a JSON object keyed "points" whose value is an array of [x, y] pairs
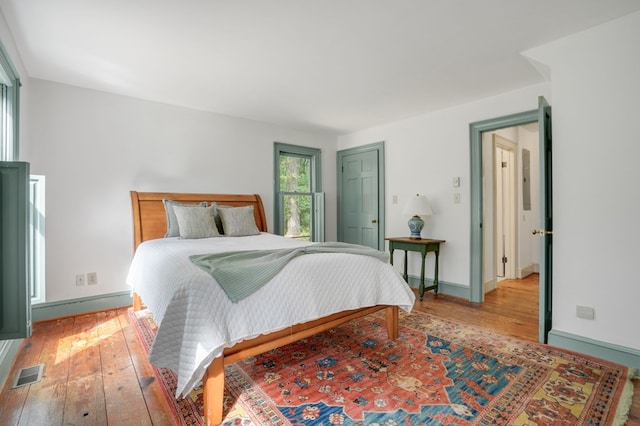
{"points": [[213, 380]]}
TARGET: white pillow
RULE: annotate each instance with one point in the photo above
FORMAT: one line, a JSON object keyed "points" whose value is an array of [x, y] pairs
{"points": [[238, 221], [196, 222]]}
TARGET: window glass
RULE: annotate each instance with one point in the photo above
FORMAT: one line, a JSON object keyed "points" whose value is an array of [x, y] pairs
{"points": [[295, 173], [298, 213], [297, 216], [9, 88]]}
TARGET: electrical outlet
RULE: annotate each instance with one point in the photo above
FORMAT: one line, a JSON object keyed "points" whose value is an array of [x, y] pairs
{"points": [[585, 312], [81, 279], [92, 278]]}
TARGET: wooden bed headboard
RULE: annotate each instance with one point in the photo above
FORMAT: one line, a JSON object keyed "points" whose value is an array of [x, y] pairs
{"points": [[150, 221]]}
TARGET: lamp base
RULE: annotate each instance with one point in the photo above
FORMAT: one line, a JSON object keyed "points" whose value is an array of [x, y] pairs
{"points": [[415, 226]]}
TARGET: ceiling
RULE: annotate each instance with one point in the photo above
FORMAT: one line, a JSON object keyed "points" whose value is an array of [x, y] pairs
{"points": [[333, 66]]}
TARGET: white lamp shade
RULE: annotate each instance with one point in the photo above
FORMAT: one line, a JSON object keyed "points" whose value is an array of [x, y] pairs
{"points": [[417, 206]]}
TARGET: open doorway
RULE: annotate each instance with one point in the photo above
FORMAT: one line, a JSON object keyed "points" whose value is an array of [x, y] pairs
{"points": [[540, 119], [510, 205]]}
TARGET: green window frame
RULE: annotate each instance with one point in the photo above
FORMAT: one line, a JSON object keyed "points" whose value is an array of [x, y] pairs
{"points": [[304, 193], [9, 109]]}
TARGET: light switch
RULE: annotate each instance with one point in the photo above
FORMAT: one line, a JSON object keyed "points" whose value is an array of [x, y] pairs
{"points": [[456, 181]]}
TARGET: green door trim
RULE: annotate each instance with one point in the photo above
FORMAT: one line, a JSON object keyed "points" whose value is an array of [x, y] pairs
{"points": [[379, 147]]}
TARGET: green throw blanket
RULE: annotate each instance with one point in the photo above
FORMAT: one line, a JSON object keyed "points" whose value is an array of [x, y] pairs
{"points": [[240, 273]]}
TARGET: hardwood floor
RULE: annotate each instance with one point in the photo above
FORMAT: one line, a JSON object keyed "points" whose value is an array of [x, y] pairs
{"points": [[96, 372]]}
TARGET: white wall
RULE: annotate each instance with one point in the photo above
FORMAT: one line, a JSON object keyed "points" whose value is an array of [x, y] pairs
{"points": [[95, 147], [423, 154], [596, 200]]}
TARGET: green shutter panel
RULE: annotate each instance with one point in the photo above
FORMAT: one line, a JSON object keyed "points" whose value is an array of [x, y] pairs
{"points": [[15, 302]]}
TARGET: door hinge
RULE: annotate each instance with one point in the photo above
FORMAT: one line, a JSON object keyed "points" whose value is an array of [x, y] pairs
{"points": [[504, 164], [504, 259]]}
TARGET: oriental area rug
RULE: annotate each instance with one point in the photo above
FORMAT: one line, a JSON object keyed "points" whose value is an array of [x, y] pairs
{"points": [[438, 372]]}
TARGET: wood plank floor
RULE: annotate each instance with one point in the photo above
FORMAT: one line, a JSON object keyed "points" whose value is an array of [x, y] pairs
{"points": [[96, 371]]}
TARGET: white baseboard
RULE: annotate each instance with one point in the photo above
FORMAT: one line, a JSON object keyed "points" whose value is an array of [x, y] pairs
{"points": [[534, 268], [490, 285]]}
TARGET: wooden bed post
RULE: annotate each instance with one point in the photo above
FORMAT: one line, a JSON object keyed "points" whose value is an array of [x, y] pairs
{"points": [[213, 391], [137, 302], [392, 322]]}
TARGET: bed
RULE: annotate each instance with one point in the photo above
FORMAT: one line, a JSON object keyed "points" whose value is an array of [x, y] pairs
{"points": [[200, 330]]}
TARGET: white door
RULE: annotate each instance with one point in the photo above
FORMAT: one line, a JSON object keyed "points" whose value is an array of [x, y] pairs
{"points": [[505, 172]]}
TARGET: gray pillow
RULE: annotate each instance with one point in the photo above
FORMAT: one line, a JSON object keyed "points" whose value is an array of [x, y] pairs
{"points": [[198, 222], [172, 222], [238, 221]]}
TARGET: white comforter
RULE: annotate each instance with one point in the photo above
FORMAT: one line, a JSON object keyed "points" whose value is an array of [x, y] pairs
{"points": [[196, 320]]}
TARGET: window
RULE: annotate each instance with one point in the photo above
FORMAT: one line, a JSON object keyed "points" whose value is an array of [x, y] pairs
{"points": [[299, 206], [9, 95], [9, 150]]}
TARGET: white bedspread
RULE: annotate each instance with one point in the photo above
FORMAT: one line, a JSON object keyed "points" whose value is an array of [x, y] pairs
{"points": [[196, 320]]}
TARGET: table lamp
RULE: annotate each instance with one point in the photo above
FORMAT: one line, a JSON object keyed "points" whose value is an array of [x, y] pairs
{"points": [[417, 206]]}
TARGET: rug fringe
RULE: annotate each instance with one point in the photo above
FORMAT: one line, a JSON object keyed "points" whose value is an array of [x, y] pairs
{"points": [[626, 399]]}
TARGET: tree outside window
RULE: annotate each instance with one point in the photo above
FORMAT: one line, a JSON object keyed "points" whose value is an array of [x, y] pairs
{"points": [[295, 187]]}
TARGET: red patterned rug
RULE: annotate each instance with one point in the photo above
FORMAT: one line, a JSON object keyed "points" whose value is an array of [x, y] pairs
{"points": [[438, 372]]}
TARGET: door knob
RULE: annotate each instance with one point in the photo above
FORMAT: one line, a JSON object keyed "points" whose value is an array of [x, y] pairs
{"points": [[541, 232], [374, 221]]}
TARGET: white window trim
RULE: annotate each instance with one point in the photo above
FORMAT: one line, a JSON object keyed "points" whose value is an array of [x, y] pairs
{"points": [[37, 239]]}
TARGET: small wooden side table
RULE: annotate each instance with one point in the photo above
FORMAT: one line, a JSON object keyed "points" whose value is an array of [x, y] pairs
{"points": [[420, 245]]}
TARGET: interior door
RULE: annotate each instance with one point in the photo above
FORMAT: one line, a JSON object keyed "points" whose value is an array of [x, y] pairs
{"points": [[360, 182], [360, 195], [546, 218], [505, 209]]}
